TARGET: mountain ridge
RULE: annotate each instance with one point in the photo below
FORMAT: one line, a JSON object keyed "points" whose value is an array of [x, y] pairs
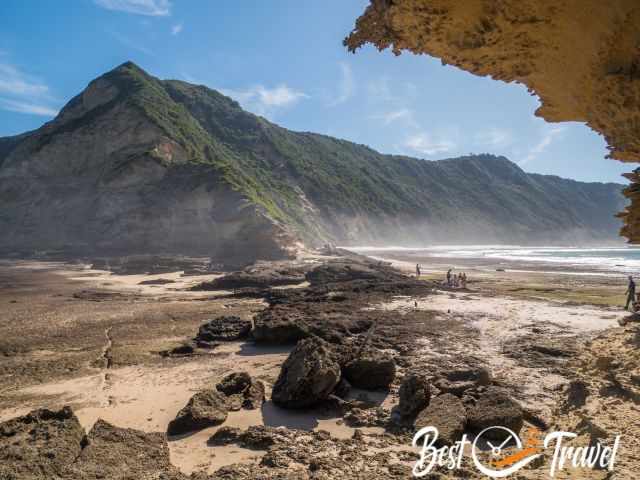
{"points": [[227, 177]]}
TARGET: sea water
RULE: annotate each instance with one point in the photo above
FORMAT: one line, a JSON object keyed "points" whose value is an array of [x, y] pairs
{"points": [[623, 259]]}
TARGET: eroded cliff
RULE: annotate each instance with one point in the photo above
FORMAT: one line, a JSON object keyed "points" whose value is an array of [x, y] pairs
{"points": [[581, 57]]}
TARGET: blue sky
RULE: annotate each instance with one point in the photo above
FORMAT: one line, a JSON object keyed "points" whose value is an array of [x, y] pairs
{"points": [[283, 59]]}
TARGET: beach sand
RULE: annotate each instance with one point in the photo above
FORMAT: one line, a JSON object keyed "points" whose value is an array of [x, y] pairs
{"points": [[56, 330]]}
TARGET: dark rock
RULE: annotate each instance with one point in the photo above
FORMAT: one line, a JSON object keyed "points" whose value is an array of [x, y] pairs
{"points": [[156, 281], [415, 394], [495, 408], [234, 383], [349, 270], [261, 275], [577, 393], [371, 371], [458, 381], [113, 452], [447, 413], [224, 436], [179, 351], [40, 444], [242, 390], [308, 376], [261, 437], [343, 388], [224, 328], [204, 409]]}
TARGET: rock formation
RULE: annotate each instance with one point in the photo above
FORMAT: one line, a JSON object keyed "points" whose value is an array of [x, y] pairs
{"points": [[582, 58]]}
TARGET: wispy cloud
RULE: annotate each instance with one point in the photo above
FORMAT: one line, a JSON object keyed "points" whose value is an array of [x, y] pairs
{"points": [[403, 114], [549, 136], [177, 28], [130, 43], [30, 108], [494, 137], [263, 101], [430, 144], [24, 93], [346, 87], [152, 8]]}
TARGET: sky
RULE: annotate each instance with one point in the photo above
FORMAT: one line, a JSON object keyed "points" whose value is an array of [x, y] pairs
{"points": [[284, 60]]}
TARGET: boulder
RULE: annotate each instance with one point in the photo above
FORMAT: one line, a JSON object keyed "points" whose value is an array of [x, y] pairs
{"points": [[224, 436], [242, 390], [415, 394], [445, 412], [460, 380], [494, 408], [40, 444], [346, 270], [224, 328], [113, 452], [372, 370], [204, 409], [308, 375]]}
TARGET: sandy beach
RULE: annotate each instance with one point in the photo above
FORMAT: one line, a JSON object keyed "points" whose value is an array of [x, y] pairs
{"points": [[94, 340]]}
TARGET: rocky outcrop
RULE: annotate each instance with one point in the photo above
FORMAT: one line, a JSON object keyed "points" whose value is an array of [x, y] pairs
{"points": [[48, 444], [308, 376], [532, 42], [242, 390], [414, 393], [205, 409], [223, 329], [460, 380], [447, 413], [371, 371], [494, 408]]}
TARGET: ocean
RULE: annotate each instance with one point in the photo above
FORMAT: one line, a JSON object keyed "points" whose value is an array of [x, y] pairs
{"points": [[619, 260]]}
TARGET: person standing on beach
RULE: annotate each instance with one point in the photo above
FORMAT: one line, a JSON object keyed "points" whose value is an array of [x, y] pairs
{"points": [[631, 293], [417, 270], [449, 278]]}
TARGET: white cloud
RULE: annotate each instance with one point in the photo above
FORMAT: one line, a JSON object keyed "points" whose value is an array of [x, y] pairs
{"points": [[402, 114], [548, 137], [494, 137], [24, 107], [346, 87], [177, 28], [429, 144], [262, 100], [153, 8], [24, 93]]}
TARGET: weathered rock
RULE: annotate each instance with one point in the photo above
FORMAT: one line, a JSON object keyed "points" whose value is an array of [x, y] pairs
{"points": [[415, 394], [242, 390], [123, 453], [447, 413], [459, 381], [224, 328], [494, 408], [224, 436], [577, 393], [183, 350], [344, 271], [40, 444], [204, 409], [371, 371], [260, 275], [308, 376]]}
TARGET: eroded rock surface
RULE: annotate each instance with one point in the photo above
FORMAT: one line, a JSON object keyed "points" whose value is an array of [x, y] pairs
{"points": [[205, 409], [308, 376], [447, 413]]}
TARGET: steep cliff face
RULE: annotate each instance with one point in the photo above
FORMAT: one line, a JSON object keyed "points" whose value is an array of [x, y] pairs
{"points": [[139, 165], [581, 57]]}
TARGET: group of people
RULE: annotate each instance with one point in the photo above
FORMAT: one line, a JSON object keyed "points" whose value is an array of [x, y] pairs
{"points": [[453, 280], [456, 280]]}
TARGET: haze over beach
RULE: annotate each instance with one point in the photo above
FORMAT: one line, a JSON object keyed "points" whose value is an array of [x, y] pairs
{"points": [[275, 241]]}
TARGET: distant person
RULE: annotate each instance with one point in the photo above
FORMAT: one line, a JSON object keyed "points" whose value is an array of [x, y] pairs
{"points": [[455, 281], [631, 293], [463, 280], [449, 277], [417, 270]]}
